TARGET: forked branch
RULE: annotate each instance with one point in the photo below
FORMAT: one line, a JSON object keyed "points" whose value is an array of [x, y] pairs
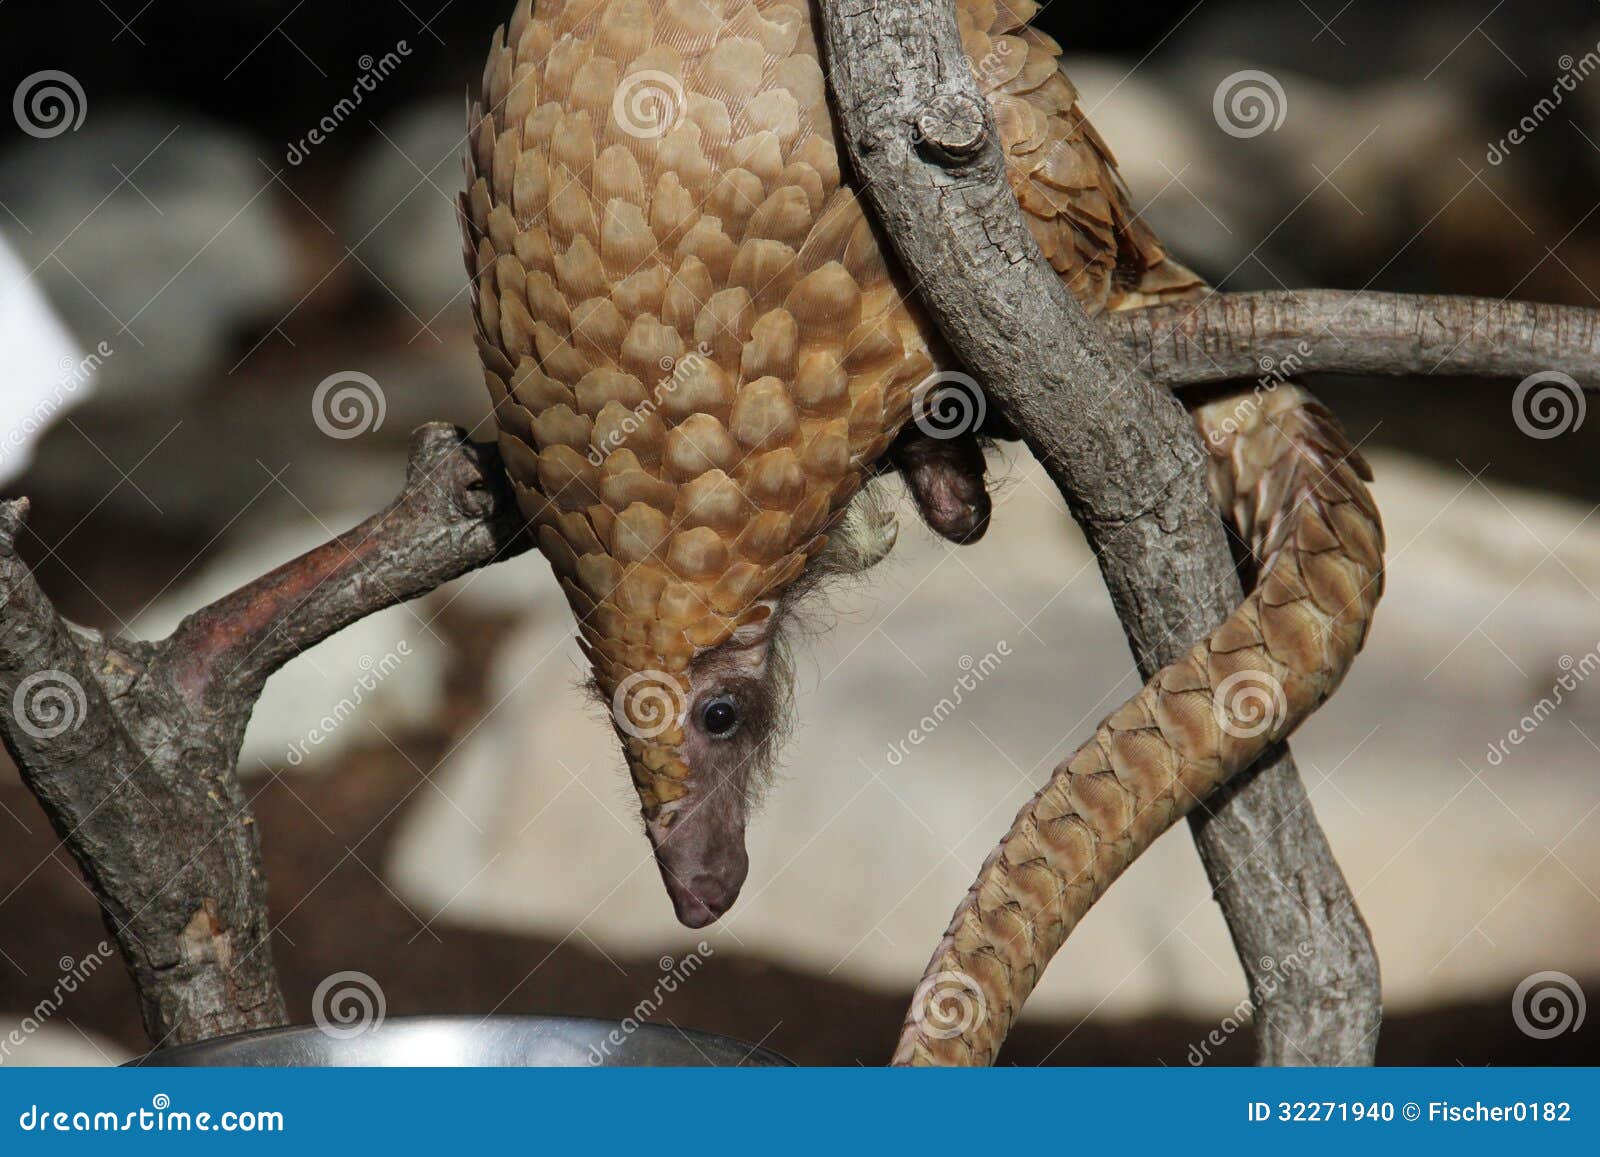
{"points": [[132, 748]]}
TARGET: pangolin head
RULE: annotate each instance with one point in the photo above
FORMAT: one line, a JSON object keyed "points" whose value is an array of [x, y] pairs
{"points": [[702, 728], [699, 742]]}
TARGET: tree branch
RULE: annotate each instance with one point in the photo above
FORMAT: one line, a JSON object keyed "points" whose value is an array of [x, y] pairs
{"points": [[132, 748], [1128, 462], [455, 514], [1231, 336]]}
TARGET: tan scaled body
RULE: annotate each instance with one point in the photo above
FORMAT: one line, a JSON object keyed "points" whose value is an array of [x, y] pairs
{"points": [[697, 352]]}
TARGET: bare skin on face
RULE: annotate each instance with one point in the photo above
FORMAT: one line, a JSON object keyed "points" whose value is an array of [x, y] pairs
{"points": [[739, 705], [738, 710]]}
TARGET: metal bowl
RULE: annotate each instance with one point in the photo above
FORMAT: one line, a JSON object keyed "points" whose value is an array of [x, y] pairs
{"points": [[469, 1042]]}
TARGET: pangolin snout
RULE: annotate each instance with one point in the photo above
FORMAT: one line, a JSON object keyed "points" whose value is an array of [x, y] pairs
{"points": [[703, 863]]}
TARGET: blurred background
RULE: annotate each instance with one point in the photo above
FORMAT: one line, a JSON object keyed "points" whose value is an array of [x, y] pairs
{"points": [[182, 266]]}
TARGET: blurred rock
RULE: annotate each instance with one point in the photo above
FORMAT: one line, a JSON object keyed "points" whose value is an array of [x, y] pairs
{"points": [[155, 232], [1471, 875], [1370, 153], [400, 208]]}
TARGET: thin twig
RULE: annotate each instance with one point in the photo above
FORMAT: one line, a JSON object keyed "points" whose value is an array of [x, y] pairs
{"points": [[1232, 336]]}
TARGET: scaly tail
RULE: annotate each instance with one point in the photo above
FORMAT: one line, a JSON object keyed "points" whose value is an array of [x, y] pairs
{"points": [[1289, 482]]}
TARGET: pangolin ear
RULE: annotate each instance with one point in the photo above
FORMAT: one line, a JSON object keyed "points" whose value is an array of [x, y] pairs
{"points": [[946, 479]]}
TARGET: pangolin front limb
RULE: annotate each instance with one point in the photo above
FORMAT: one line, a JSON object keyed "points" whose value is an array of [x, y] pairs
{"points": [[697, 352]]}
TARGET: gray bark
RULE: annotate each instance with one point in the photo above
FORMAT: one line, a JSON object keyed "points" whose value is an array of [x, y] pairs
{"points": [[1229, 336], [1128, 463]]}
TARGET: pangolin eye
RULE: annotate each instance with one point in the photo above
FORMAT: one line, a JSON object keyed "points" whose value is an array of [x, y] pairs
{"points": [[720, 717]]}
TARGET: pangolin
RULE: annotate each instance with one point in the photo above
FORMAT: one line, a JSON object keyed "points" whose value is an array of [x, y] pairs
{"points": [[698, 354]]}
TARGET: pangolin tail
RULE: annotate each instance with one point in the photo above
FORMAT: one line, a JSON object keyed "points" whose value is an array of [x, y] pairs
{"points": [[1286, 478]]}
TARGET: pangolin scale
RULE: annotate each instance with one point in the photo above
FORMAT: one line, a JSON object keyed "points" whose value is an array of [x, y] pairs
{"points": [[697, 351]]}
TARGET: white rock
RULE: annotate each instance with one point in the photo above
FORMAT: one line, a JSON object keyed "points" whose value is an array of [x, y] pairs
{"points": [[46, 374], [400, 206], [56, 1045]]}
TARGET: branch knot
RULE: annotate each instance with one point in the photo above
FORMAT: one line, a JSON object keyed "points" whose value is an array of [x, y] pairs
{"points": [[952, 130]]}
